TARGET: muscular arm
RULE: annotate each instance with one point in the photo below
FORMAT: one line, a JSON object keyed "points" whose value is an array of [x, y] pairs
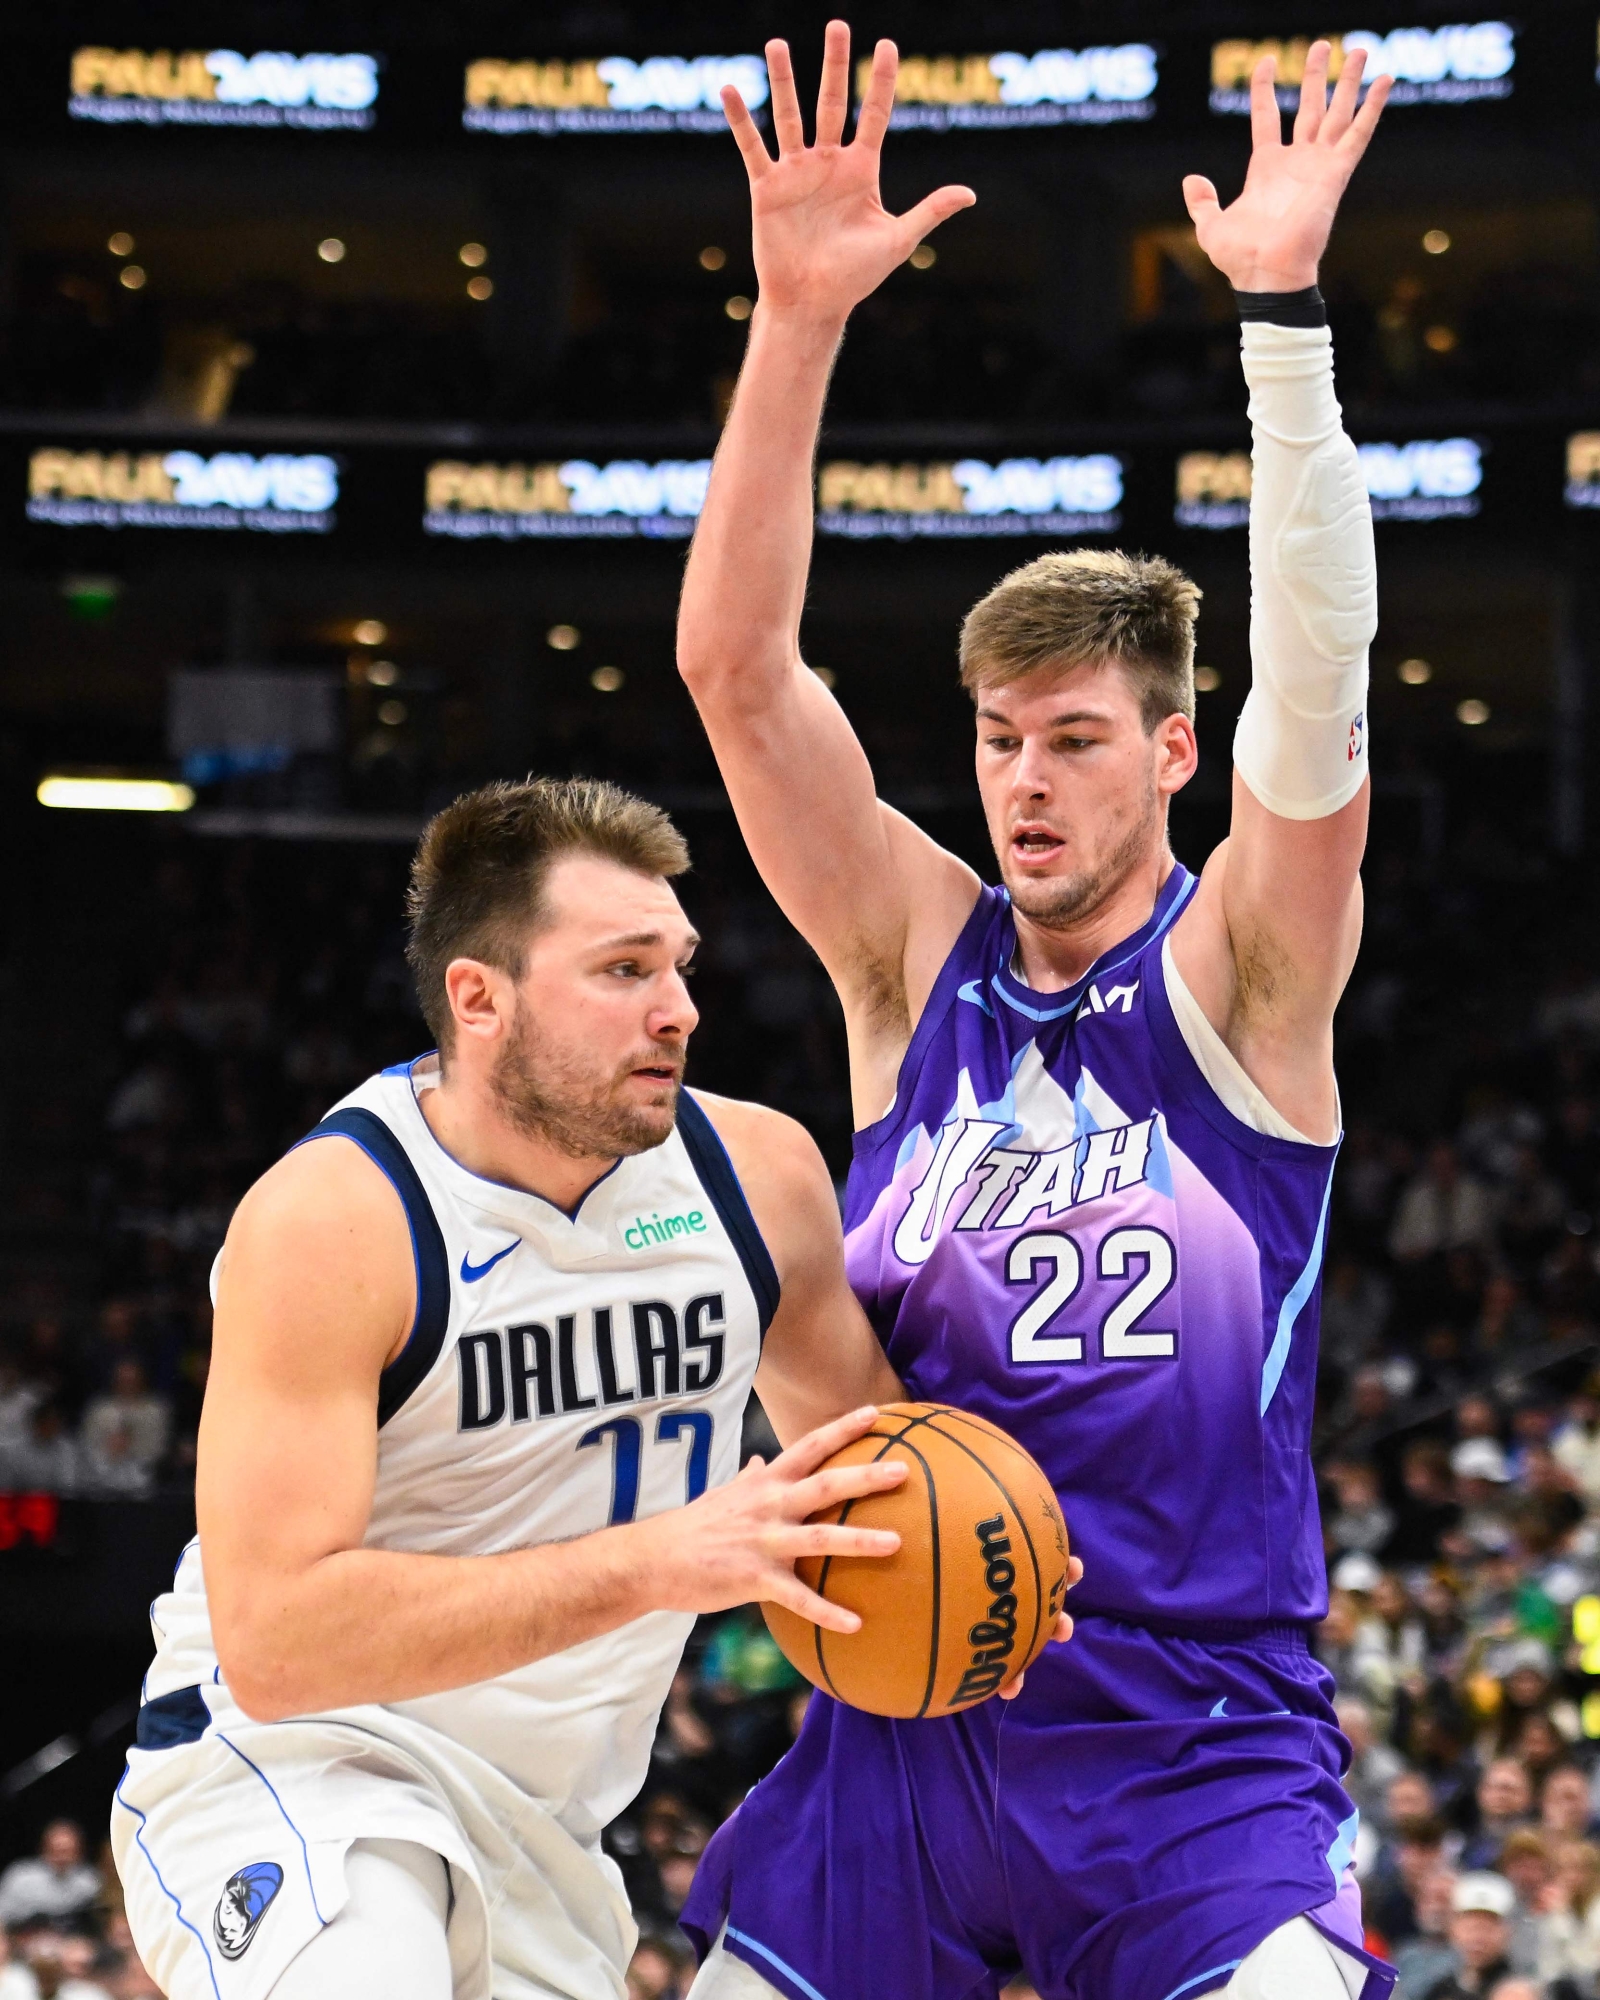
{"points": [[821, 1356], [1271, 937], [886, 903], [316, 1295]]}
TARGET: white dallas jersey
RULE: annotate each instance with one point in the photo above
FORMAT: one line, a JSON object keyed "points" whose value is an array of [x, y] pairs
{"points": [[563, 1372]]}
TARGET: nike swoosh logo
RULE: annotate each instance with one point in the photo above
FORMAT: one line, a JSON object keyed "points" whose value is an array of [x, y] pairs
{"points": [[471, 1273], [972, 993]]}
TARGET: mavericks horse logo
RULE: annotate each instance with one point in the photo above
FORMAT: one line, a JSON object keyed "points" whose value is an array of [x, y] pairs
{"points": [[242, 1904]]}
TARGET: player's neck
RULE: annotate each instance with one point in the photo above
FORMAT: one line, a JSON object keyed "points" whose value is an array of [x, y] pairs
{"points": [[463, 1117], [1054, 958]]}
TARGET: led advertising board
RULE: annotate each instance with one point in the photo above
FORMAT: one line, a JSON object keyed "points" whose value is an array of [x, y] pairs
{"points": [[1096, 86], [1426, 479], [572, 498], [211, 87], [970, 497], [278, 493], [1463, 64], [608, 94]]}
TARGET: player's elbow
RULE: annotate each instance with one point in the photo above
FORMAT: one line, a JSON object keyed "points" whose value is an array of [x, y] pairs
{"points": [[260, 1670]]}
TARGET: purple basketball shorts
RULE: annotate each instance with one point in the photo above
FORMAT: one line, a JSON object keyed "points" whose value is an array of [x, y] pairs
{"points": [[1136, 1822]]}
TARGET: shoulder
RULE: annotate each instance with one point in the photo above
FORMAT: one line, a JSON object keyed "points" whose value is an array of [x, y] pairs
{"points": [[325, 1219], [764, 1145], [782, 1173]]}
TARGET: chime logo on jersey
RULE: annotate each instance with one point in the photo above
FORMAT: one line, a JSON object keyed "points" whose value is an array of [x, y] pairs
{"points": [[245, 1900], [637, 1353]]}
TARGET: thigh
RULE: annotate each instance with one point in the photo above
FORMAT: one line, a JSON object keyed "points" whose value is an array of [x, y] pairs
{"points": [[390, 1937], [864, 1866], [1164, 1807]]}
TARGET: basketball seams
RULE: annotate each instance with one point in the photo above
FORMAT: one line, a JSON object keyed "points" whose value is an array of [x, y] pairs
{"points": [[1027, 1533], [933, 1528], [827, 1562]]}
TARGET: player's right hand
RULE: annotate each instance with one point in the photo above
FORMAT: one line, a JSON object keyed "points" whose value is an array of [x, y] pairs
{"points": [[739, 1543], [823, 238]]}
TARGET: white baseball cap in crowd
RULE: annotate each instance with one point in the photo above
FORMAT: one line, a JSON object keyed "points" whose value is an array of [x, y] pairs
{"points": [[1480, 1458], [1480, 1889], [1356, 1571]]}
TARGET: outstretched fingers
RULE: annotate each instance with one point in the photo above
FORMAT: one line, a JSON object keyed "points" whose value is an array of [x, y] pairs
{"points": [[786, 120], [833, 97], [872, 120], [1365, 122], [931, 211], [752, 147], [1266, 121], [1200, 198], [1313, 94], [1346, 95]]}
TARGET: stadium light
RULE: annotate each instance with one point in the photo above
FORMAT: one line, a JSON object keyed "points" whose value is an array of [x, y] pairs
{"points": [[114, 794]]}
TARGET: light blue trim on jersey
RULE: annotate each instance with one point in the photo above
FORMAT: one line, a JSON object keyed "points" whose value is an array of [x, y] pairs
{"points": [[1342, 1852], [138, 1834], [1180, 902], [289, 1823], [1293, 1305], [772, 1958], [972, 992], [1200, 1978]]}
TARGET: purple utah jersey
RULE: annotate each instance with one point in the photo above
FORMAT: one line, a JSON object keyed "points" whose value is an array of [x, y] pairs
{"points": [[1059, 1226]]}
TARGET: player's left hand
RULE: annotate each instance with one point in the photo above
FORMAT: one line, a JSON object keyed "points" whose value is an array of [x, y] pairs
{"points": [[1272, 237], [1058, 1637]]}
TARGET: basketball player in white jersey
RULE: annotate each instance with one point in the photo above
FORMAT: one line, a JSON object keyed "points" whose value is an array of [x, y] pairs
{"points": [[468, 1456]]}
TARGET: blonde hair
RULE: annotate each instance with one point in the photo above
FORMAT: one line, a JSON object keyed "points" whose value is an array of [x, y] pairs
{"points": [[1089, 607], [478, 876]]}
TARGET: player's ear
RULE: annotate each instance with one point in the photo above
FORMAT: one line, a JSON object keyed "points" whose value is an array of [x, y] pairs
{"points": [[1177, 754], [481, 998]]}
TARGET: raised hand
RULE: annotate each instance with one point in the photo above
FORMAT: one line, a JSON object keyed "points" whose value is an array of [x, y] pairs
{"points": [[1272, 237], [823, 238]]}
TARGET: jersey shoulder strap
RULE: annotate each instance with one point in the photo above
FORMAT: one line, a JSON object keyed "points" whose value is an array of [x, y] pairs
{"points": [[423, 1344], [709, 1158]]}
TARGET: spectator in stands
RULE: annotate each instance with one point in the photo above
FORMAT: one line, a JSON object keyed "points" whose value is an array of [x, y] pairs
{"points": [[46, 1461], [1570, 1944], [1479, 1465], [57, 1885], [1527, 1864], [1404, 1863], [1428, 1956], [1480, 1934], [660, 1970], [1373, 1765], [124, 1435], [1362, 1519], [1505, 1803], [1441, 1208], [1566, 1812]]}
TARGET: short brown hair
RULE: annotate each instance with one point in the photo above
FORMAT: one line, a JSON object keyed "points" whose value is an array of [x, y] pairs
{"points": [[478, 876], [1085, 607]]}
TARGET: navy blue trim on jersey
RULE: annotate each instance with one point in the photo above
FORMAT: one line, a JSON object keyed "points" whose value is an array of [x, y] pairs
{"points": [[171, 1719], [426, 1338], [709, 1158]]}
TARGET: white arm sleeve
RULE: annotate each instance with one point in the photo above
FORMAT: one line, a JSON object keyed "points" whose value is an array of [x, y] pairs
{"points": [[1301, 744]]}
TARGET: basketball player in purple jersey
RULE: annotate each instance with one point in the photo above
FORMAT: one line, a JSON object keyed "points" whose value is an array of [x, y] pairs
{"points": [[1097, 1125]]}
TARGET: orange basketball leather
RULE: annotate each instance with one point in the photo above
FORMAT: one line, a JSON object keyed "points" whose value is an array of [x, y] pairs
{"points": [[972, 1595]]}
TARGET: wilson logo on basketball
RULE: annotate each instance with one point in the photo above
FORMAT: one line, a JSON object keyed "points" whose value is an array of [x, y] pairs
{"points": [[994, 1637]]}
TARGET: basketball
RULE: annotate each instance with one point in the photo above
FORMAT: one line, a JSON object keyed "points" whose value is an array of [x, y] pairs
{"points": [[972, 1595]]}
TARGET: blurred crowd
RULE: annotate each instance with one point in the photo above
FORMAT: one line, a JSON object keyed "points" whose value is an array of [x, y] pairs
{"points": [[651, 350]]}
